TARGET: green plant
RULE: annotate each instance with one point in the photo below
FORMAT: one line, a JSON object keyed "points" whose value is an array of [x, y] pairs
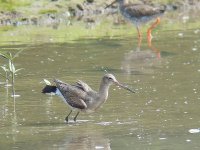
{"points": [[6, 70], [11, 71]]}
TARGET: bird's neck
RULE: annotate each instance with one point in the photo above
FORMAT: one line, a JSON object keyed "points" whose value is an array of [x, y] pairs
{"points": [[103, 90]]}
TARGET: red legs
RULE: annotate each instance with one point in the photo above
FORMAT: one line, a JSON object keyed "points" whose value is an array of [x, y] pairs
{"points": [[139, 37], [155, 50], [149, 36]]}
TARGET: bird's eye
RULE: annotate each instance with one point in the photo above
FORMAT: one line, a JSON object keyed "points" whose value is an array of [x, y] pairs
{"points": [[109, 78]]}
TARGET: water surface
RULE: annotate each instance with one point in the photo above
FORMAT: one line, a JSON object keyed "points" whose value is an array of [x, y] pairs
{"points": [[158, 116]]}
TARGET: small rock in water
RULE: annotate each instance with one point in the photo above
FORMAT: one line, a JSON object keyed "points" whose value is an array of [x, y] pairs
{"points": [[162, 138], [194, 49], [15, 95], [99, 147], [104, 123], [188, 140], [194, 130], [180, 34]]}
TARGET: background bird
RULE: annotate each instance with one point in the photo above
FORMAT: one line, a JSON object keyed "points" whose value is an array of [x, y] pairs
{"points": [[139, 14]]}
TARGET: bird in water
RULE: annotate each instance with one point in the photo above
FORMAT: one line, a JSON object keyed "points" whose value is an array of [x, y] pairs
{"points": [[139, 14], [81, 96]]}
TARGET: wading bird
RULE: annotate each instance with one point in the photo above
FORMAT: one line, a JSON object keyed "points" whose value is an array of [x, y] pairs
{"points": [[139, 14], [80, 96]]}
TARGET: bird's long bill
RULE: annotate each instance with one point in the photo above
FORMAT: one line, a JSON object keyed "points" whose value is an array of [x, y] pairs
{"points": [[124, 87], [111, 4]]}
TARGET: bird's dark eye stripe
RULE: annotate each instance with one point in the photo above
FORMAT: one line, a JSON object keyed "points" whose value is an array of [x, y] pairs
{"points": [[109, 78]]}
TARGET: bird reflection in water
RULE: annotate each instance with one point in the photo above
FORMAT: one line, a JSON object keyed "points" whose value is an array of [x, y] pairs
{"points": [[139, 61], [86, 142]]}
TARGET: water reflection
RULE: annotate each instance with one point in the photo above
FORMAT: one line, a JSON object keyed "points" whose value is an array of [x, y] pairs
{"points": [[140, 61], [166, 111], [85, 142]]}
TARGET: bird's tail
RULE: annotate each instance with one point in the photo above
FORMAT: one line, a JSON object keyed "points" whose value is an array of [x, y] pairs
{"points": [[49, 89]]}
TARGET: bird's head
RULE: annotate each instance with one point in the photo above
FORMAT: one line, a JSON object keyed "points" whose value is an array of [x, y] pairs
{"points": [[110, 79]]}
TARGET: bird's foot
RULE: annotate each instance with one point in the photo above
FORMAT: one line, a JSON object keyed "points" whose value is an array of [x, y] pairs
{"points": [[67, 119], [76, 116]]}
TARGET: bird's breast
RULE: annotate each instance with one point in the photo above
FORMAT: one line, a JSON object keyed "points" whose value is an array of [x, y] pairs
{"points": [[93, 104]]}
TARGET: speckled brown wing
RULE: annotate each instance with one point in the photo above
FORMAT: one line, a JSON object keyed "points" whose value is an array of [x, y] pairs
{"points": [[141, 10], [73, 95], [82, 85]]}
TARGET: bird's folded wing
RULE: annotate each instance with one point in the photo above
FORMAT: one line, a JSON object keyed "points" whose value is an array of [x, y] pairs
{"points": [[82, 85], [141, 10], [74, 101], [74, 96]]}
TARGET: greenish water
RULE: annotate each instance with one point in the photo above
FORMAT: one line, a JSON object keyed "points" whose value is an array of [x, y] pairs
{"points": [[158, 116]]}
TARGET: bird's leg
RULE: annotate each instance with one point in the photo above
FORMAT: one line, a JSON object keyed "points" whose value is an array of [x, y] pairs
{"points": [[154, 49], [67, 118], [76, 116], [139, 37], [149, 37]]}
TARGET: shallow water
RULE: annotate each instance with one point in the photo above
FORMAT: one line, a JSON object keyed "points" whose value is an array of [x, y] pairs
{"points": [[158, 116]]}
